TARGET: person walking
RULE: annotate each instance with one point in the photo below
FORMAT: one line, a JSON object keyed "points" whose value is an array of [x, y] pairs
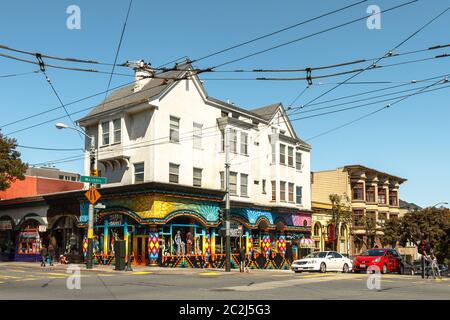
{"points": [[43, 254], [51, 254], [242, 260], [425, 251]]}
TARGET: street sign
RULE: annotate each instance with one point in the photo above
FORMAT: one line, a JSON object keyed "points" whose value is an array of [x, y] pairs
{"points": [[92, 195], [93, 180], [100, 206]]}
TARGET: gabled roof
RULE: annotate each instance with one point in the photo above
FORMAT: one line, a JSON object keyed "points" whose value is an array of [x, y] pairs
{"points": [[126, 95], [267, 112]]}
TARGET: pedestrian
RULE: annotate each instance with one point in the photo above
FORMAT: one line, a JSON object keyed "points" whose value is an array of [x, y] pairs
{"points": [[242, 260], [43, 255], [51, 254], [425, 251]]}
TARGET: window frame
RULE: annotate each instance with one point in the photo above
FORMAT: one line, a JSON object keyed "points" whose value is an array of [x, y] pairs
{"points": [[244, 145], [197, 134], [194, 170], [172, 174], [135, 173], [244, 186], [298, 162], [299, 195], [274, 190], [290, 156], [174, 131], [106, 134], [233, 192], [282, 154], [291, 187], [119, 130], [283, 191]]}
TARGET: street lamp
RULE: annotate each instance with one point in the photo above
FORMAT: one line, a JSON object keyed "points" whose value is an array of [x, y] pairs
{"points": [[93, 172], [444, 203]]}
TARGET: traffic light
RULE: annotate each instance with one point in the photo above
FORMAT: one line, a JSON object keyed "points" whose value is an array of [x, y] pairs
{"points": [[221, 216]]}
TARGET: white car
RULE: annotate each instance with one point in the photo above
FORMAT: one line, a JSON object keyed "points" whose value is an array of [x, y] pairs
{"points": [[323, 261]]}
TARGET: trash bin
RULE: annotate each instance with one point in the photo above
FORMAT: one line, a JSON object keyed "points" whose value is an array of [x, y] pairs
{"points": [[119, 254]]}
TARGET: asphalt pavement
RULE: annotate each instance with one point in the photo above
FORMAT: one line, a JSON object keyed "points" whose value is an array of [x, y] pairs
{"points": [[30, 281]]}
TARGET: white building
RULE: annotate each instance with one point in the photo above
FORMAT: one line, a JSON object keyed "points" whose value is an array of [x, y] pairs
{"points": [[164, 138], [171, 131]]}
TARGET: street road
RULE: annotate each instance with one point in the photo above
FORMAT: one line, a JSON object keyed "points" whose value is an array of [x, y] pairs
{"points": [[29, 281]]}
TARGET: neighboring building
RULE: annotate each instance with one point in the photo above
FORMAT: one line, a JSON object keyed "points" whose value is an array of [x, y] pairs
{"points": [[24, 211], [166, 130], [373, 197], [41, 181]]}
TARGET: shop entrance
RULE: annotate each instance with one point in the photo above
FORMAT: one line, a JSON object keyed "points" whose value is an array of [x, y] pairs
{"points": [[140, 250]]}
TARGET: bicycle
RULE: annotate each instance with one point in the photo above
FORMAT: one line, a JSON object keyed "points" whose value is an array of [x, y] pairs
{"points": [[432, 268]]}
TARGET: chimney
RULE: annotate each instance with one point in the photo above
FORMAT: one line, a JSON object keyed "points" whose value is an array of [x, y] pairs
{"points": [[142, 74]]}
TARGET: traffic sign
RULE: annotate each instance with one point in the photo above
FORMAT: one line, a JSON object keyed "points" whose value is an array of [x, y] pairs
{"points": [[92, 195], [93, 180]]}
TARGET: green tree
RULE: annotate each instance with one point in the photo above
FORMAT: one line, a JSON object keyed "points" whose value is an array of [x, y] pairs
{"points": [[391, 232], [431, 224], [341, 214], [11, 166]]}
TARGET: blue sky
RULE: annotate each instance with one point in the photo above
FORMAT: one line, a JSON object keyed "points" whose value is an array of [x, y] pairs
{"points": [[410, 140]]}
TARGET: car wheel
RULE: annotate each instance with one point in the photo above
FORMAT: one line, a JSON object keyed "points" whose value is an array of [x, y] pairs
{"points": [[401, 270], [323, 267], [345, 269], [384, 269]]}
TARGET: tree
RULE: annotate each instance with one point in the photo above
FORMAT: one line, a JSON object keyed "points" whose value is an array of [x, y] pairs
{"points": [[341, 214], [431, 224], [391, 232], [11, 166]]}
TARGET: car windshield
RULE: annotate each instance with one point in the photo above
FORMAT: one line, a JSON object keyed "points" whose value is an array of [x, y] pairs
{"points": [[316, 255], [374, 253]]}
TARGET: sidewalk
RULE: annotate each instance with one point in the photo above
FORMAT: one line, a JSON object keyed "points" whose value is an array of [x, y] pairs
{"points": [[110, 269]]}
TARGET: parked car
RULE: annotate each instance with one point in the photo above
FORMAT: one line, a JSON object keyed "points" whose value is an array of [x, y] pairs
{"points": [[387, 260], [443, 269], [407, 268], [323, 261]]}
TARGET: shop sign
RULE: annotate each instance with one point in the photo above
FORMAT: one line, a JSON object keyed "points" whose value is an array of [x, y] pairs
{"points": [[42, 228], [236, 233], [115, 220], [5, 225]]}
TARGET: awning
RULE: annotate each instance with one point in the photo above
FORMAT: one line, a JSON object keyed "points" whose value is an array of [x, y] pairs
{"points": [[306, 243], [40, 220]]}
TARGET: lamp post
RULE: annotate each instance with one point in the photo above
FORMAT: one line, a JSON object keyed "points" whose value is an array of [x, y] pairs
{"points": [[444, 203], [93, 172]]}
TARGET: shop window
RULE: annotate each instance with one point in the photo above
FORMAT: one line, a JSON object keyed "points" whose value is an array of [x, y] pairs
{"points": [[174, 173], [174, 129], [65, 236]]}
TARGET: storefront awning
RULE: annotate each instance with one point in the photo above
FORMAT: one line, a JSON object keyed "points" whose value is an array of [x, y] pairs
{"points": [[306, 243]]}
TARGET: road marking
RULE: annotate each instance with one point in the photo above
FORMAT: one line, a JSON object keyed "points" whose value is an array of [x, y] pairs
{"points": [[209, 273], [280, 284], [27, 279], [14, 270], [9, 277], [142, 272]]}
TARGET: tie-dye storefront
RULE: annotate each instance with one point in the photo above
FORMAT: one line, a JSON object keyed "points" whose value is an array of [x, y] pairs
{"points": [[175, 226]]}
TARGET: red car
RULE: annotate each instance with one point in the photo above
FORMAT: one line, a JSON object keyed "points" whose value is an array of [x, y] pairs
{"points": [[387, 260]]}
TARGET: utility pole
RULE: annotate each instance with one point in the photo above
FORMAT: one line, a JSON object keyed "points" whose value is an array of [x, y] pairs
{"points": [[93, 172], [227, 202]]}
